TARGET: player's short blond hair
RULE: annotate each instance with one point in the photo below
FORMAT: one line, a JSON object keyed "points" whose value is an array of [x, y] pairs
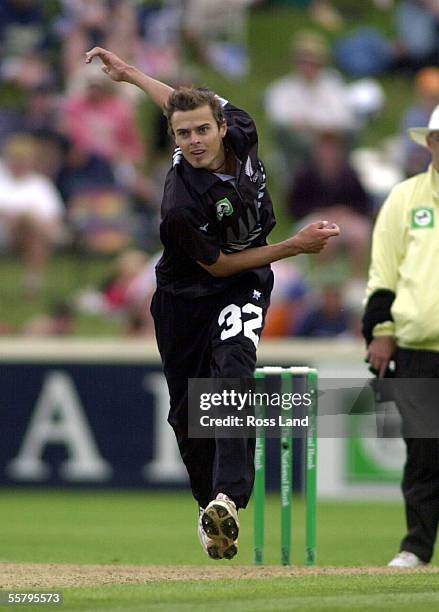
{"points": [[188, 98]]}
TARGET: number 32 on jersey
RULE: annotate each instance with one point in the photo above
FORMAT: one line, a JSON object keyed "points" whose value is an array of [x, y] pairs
{"points": [[232, 318]]}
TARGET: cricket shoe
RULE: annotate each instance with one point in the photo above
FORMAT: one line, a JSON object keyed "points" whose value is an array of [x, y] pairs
{"points": [[221, 525], [407, 560], [214, 548]]}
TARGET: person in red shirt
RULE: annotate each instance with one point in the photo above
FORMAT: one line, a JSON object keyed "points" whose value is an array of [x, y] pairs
{"points": [[102, 122]]}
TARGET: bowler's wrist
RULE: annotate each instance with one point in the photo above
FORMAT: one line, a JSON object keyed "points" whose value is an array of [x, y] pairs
{"points": [[131, 75], [294, 247]]}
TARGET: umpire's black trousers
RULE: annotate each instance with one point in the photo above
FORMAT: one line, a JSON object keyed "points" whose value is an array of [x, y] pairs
{"points": [[420, 484], [211, 337]]}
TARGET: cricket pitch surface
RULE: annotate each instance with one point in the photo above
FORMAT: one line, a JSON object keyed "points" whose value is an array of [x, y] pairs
{"points": [[42, 575]]}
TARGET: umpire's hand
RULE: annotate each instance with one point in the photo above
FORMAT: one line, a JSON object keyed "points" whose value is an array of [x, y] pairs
{"points": [[379, 353]]}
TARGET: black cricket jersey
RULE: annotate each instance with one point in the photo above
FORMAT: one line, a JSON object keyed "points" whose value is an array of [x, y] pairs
{"points": [[204, 213]]}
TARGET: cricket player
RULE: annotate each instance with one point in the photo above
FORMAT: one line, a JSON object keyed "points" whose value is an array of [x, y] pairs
{"points": [[213, 280]]}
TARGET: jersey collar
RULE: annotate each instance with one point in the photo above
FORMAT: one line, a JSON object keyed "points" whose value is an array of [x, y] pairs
{"points": [[202, 180], [199, 178]]}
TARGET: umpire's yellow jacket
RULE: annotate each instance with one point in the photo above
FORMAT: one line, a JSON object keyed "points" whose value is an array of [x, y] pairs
{"points": [[405, 261]]}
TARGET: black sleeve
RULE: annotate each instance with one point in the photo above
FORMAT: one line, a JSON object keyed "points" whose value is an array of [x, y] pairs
{"points": [[193, 232], [268, 220], [241, 129], [377, 311]]}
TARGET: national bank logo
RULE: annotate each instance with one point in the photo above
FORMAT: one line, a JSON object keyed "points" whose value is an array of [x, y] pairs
{"points": [[422, 218]]}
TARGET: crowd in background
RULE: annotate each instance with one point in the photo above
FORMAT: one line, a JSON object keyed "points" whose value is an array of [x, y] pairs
{"points": [[79, 173]]}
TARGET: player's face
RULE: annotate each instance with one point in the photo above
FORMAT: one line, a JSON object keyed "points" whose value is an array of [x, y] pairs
{"points": [[433, 145], [199, 137]]}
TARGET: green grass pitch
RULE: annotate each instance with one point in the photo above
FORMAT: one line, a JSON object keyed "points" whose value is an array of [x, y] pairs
{"points": [[159, 529]]}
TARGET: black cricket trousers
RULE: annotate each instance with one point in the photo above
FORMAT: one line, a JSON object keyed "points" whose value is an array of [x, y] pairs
{"points": [[420, 484], [214, 336]]}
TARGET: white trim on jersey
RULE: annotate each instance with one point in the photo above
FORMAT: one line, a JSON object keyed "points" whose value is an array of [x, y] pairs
{"points": [[261, 190], [249, 167], [176, 157], [222, 100]]}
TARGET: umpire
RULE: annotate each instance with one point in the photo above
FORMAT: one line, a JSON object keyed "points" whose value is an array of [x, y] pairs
{"points": [[401, 322], [213, 280]]}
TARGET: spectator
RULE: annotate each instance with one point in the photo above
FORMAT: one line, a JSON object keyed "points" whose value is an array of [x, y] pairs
{"points": [[39, 117], [30, 208], [143, 285], [27, 72], [139, 296], [85, 23], [328, 187], [366, 98], [82, 172], [417, 23], [99, 121], [322, 12], [24, 41], [126, 293], [22, 26], [287, 299], [311, 97], [415, 157], [38, 112], [81, 25], [10, 121], [50, 152], [328, 319], [138, 325], [59, 321], [159, 38], [217, 31], [127, 268], [101, 125], [6, 329], [91, 190], [325, 14]]}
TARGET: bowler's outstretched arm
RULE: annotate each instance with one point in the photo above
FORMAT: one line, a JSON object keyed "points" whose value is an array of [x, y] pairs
{"points": [[120, 71]]}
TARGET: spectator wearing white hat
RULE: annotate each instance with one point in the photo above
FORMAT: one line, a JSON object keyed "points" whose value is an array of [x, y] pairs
{"points": [[401, 323], [312, 97]]}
